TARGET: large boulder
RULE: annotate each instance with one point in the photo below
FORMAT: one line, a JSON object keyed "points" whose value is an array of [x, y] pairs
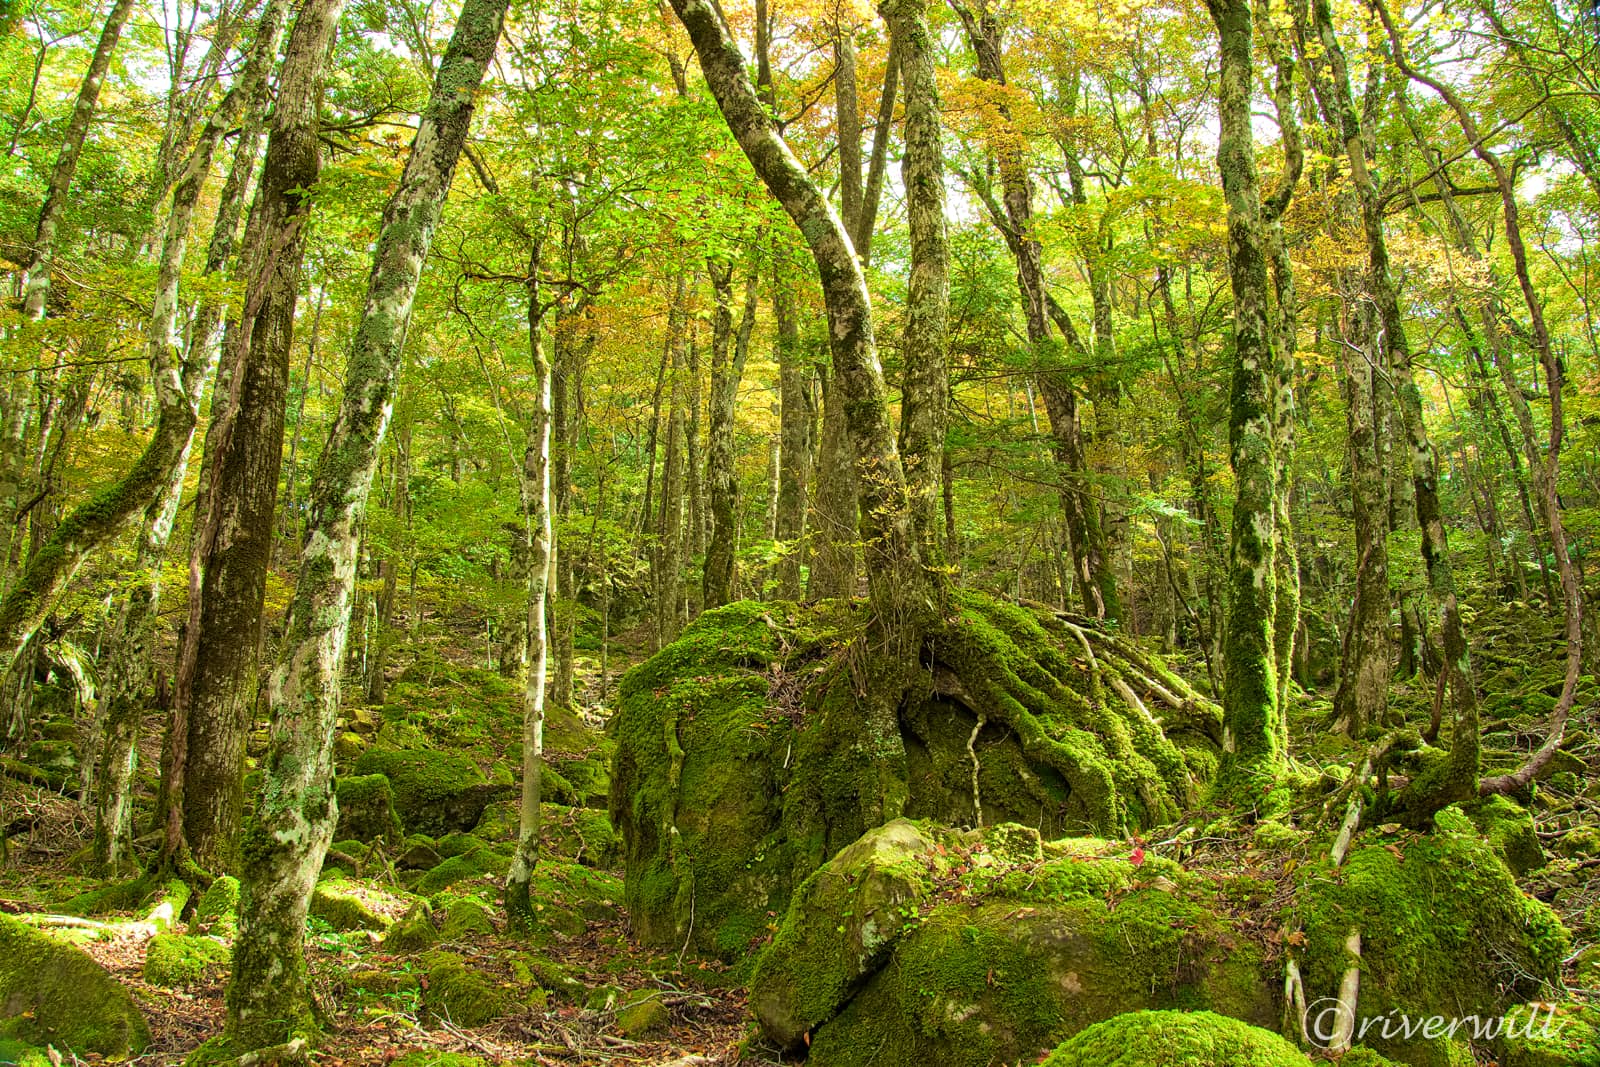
{"points": [[1190, 1038], [52, 993], [746, 757], [366, 809], [435, 792]]}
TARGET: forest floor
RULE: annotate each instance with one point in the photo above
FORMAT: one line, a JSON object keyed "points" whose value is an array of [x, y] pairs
{"points": [[706, 1021]]}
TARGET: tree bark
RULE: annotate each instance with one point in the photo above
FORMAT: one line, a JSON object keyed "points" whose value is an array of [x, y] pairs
{"points": [[296, 810], [233, 542], [722, 485]]}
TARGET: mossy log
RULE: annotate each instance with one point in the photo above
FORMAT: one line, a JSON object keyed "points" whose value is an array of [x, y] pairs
{"points": [[748, 753]]}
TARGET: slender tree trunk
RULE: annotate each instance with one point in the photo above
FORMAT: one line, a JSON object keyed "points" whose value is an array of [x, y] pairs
{"points": [[797, 413], [296, 811], [834, 518], [565, 378], [727, 370], [1253, 750], [37, 287], [535, 486], [925, 397]]}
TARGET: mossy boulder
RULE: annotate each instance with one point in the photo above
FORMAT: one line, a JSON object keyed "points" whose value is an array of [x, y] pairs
{"points": [[346, 905], [1176, 1039], [477, 863], [582, 835], [14, 1053], [217, 913], [435, 792], [1004, 960], [52, 993], [414, 932], [1508, 827], [466, 918], [1551, 1035], [1444, 930], [419, 853], [746, 757], [178, 960], [430, 1058], [459, 993], [366, 809], [534, 970], [842, 923], [642, 1014]]}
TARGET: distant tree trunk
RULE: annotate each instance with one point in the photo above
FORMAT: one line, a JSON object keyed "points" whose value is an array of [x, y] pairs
{"points": [[796, 415], [565, 380], [694, 546], [925, 398], [535, 489], [834, 519], [296, 810], [1253, 750], [233, 541], [669, 521], [727, 369], [37, 288]]}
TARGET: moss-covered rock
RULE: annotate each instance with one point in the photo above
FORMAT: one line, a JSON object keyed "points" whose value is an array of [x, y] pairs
{"points": [[458, 993], [379, 981], [546, 974], [178, 960], [582, 835], [217, 913], [430, 1058], [1006, 960], [469, 865], [457, 844], [642, 1014], [1445, 931], [419, 853], [14, 1053], [1550, 1035], [1508, 827], [1176, 1039], [434, 792], [414, 933], [745, 756], [346, 905], [366, 809], [51, 993], [466, 918], [842, 923]]}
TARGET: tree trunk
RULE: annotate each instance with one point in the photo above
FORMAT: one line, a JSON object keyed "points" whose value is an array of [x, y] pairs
{"points": [[36, 290], [1253, 748], [535, 488], [727, 369], [565, 379], [797, 413], [834, 518], [233, 542], [268, 998], [925, 397]]}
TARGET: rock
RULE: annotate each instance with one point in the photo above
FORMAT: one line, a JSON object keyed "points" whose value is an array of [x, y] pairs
{"points": [[551, 976], [642, 1014], [457, 844], [56, 758], [14, 1052], [366, 809], [412, 934], [343, 905], [460, 994], [582, 835], [178, 960], [1509, 830], [364, 721], [841, 925], [419, 854], [1190, 1038], [474, 864], [1551, 1035], [217, 913], [467, 917], [434, 792], [51, 993], [378, 982], [752, 793], [348, 745]]}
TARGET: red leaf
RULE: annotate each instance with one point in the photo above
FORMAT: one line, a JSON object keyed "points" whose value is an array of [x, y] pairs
{"points": [[1138, 855]]}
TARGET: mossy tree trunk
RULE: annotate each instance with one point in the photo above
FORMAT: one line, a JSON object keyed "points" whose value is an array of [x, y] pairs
{"points": [[730, 349], [244, 445], [1253, 752], [296, 810], [535, 490], [796, 415], [36, 290]]}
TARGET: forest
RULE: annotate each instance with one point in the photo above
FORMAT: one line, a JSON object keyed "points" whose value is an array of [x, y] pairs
{"points": [[588, 532]]}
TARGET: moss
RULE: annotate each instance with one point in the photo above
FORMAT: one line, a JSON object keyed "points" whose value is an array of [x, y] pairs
{"points": [[14, 1053], [1176, 1039], [344, 905], [457, 844], [434, 792], [474, 864], [1508, 827], [1444, 930], [430, 1058], [1551, 1035], [412, 934], [51, 993], [366, 809], [467, 918], [549, 975], [177, 960], [459, 994], [642, 1014], [217, 913], [582, 835], [379, 982]]}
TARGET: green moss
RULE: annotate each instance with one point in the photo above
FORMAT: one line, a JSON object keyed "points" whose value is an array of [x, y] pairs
{"points": [[430, 1058], [467, 918], [1444, 930], [433, 791], [177, 960], [366, 809], [1551, 1035], [457, 844], [1508, 827], [379, 981], [642, 1014], [459, 994], [474, 864], [551, 976], [412, 934], [51, 993], [1176, 1039], [345, 905], [14, 1053], [217, 913]]}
